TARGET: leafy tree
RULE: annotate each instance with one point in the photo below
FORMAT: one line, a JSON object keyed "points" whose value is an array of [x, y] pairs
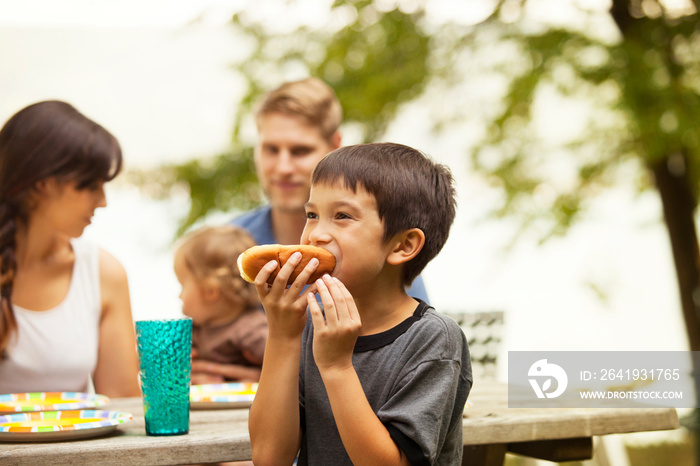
{"points": [[374, 60], [645, 87], [643, 84], [640, 81]]}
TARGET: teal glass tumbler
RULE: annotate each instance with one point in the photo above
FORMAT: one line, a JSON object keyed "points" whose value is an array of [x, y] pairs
{"points": [[164, 348]]}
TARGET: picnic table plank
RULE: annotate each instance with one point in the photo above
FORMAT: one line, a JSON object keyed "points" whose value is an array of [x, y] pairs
{"points": [[489, 420]]}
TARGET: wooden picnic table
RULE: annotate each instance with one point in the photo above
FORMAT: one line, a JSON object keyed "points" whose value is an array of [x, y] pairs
{"points": [[490, 429]]}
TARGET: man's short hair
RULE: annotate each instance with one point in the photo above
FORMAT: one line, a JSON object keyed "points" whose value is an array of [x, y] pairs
{"points": [[411, 191], [310, 99]]}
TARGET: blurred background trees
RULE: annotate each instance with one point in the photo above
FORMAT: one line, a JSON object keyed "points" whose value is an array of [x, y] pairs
{"points": [[374, 59], [623, 76]]}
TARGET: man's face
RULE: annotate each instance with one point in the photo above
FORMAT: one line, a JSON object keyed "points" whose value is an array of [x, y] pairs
{"points": [[286, 153]]}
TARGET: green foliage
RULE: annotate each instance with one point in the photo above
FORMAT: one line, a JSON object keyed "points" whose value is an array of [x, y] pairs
{"points": [[643, 91], [214, 184], [642, 88], [374, 66], [375, 62]]}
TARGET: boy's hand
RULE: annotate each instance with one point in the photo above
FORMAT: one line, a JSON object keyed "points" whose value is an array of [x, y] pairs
{"points": [[334, 336], [285, 307]]}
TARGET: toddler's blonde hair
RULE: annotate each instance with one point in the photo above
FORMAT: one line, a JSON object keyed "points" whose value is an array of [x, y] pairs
{"points": [[211, 253]]}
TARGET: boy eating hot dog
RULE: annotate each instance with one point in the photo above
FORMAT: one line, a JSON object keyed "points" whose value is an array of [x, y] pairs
{"points": [[376, 377]]}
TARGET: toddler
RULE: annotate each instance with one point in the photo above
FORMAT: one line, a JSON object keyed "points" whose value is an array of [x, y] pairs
{"points": [[229, 327]]}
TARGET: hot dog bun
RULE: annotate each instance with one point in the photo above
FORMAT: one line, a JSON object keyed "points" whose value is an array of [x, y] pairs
{"points": [[253, 259]]}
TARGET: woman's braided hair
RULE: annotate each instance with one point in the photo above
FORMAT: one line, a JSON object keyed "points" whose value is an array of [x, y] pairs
{"points": [[46, 139], [8, 266]]}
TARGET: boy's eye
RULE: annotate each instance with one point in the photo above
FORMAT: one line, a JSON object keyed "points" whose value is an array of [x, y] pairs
{"points": [[341, 215], [311, 215]]}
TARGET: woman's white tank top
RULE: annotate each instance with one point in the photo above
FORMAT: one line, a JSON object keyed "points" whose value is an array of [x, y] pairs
{"points": [[56, 350]]}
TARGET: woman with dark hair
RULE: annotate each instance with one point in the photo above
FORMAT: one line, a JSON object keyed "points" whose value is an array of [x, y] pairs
{"points": [[65, 313]]}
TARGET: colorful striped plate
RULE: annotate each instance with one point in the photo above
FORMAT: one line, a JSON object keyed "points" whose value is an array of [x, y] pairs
{"points": [[59, 425], [222, 395], [49, 401]]}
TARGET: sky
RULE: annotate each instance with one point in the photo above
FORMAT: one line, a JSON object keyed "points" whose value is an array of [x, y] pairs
{"points": [[157, 74], [98, 14]]}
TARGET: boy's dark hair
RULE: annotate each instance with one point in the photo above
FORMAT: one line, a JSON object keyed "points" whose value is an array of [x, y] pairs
{"points": [[411, 191]]}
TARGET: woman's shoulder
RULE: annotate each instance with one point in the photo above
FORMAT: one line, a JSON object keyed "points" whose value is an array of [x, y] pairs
{"points": [[114, 285], [111, 270], [109, 266]]}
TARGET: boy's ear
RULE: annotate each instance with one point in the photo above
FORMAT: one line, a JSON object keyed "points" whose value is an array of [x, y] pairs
{"points": [[406, 246], [211, 291]]}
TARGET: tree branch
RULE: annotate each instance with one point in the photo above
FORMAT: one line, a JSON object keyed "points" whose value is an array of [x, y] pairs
{"points": [[620, 12]]}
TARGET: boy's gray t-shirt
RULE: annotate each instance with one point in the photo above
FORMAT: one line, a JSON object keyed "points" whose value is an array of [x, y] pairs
{"points": [[416, 376]]}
